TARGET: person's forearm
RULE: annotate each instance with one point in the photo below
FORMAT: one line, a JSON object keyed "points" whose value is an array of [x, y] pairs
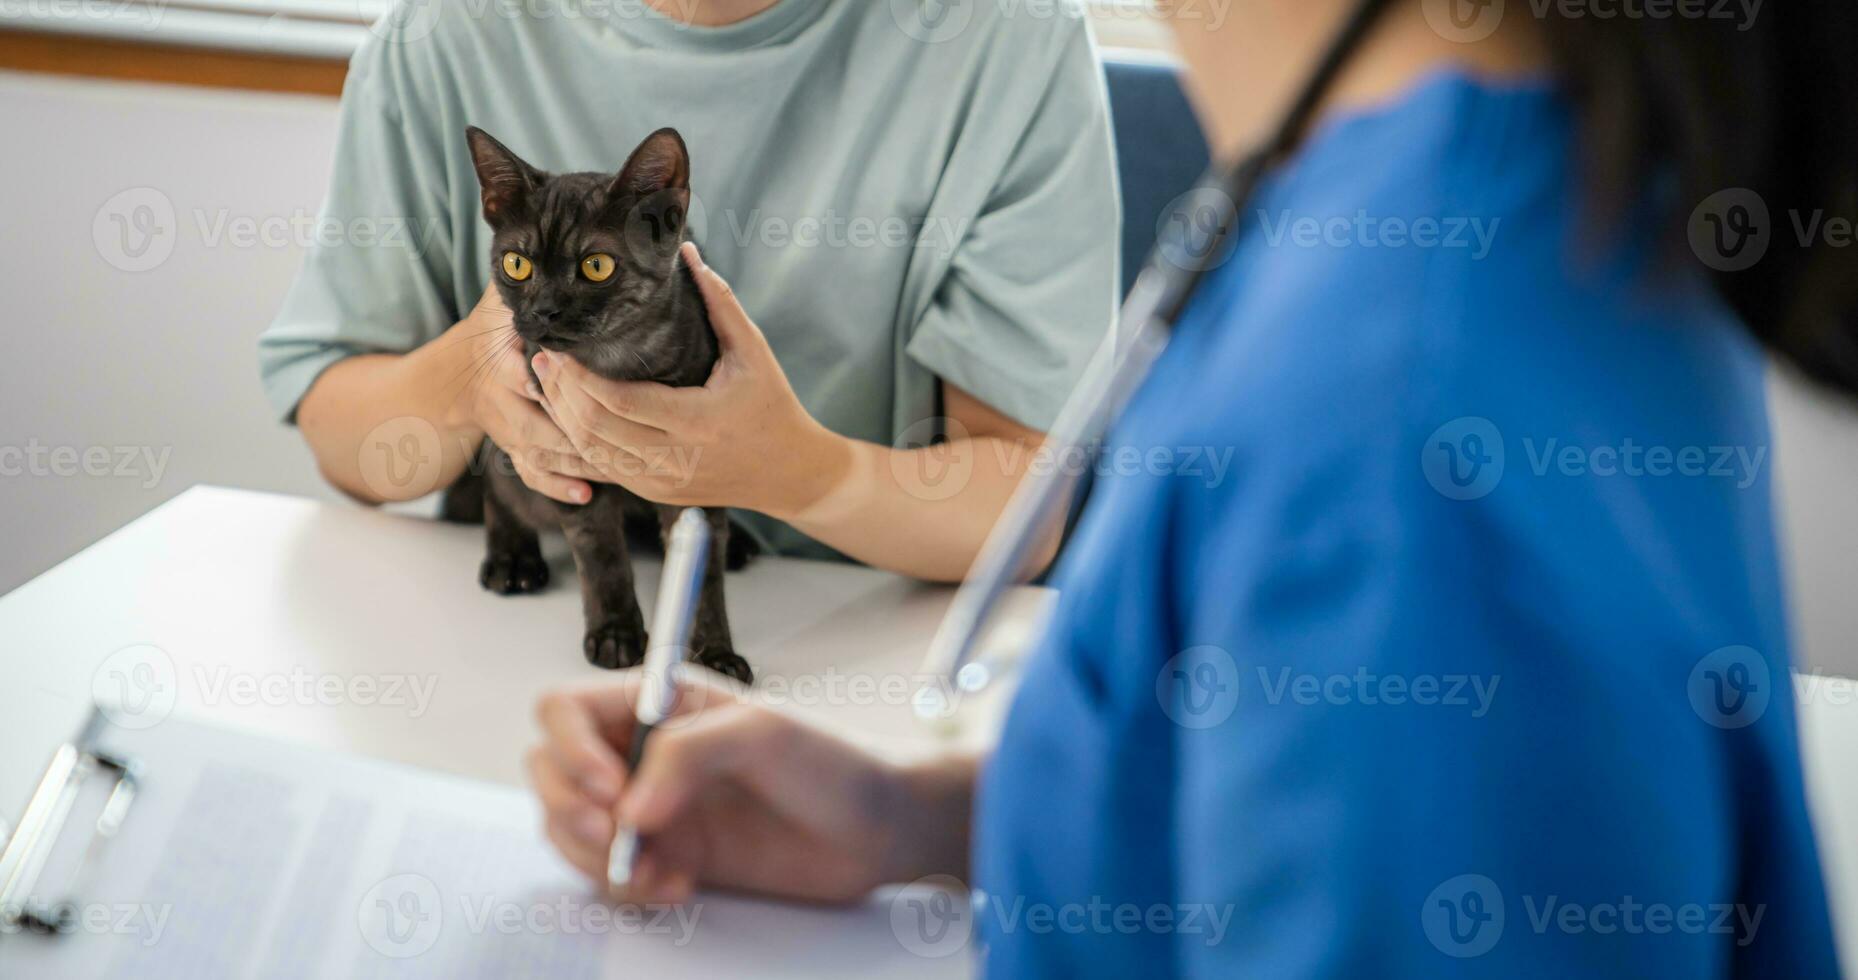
{"points": [[918, 512], [387, 427], [931, 817]]}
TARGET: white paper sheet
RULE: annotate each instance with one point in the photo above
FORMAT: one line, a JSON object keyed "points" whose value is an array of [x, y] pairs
{"points": [[245, 857]]}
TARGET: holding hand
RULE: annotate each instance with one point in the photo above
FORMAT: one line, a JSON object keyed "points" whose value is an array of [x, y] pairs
{"points": [[505, 405], [741, 440]]}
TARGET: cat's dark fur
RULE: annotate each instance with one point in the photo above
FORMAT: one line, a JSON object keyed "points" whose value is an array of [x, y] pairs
{"points": [[645, 323]]}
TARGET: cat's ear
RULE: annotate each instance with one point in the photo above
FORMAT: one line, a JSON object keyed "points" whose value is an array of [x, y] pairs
{"points": [[505, 179], [657, 177]]}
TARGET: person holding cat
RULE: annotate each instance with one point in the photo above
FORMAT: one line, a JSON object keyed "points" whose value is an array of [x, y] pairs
{"points": [[1384, 703], [919, 214]]}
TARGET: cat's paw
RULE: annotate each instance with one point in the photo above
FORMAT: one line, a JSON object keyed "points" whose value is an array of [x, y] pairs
{"points": [[517, 574], [616, 644], [727, 663]]}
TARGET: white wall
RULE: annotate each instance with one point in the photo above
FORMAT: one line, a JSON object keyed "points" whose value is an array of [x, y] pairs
{"points": [[163, 359]]}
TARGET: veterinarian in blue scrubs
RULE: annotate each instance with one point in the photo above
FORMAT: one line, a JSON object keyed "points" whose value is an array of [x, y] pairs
{"points": [[1476, 664]]}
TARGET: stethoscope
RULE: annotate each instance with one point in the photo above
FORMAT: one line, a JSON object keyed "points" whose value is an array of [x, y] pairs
{"points": [[956, 662]]}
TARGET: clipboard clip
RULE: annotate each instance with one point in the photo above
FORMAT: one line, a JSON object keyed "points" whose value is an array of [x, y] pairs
{"points": [[32, 842]]}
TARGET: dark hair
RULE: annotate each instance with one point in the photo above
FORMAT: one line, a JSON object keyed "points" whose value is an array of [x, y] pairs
{"points": [[1752, 112]]}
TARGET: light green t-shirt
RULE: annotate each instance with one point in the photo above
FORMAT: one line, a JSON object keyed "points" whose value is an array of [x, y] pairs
{"points": [[898, 193]]}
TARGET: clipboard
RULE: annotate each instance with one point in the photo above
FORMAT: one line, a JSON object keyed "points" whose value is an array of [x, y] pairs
{"points": [[229, 855], [44, 822]]}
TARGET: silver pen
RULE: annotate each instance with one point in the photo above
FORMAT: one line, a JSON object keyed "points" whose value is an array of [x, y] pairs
{"points": [[685, 553]]}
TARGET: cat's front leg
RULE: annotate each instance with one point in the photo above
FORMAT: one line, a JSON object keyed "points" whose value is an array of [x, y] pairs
{"points": [[513, 563], [615, 628], [710, 642]]}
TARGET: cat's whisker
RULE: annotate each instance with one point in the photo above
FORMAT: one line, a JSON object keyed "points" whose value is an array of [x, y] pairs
{"points": [[483, 365]]}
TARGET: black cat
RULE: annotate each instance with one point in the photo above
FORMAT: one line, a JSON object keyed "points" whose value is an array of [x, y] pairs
{"points": [[587, 264]]}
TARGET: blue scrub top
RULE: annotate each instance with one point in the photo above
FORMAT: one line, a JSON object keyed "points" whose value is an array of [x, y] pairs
{"points": [[1427, 620]]}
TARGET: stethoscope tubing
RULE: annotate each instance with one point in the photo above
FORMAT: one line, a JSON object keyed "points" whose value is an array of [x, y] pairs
{"points": [[1166, 286]]}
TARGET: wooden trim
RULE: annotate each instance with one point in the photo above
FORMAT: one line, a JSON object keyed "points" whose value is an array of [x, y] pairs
{"points": [[70, 54]]}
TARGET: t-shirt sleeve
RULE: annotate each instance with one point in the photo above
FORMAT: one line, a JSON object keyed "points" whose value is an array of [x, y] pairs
{"points": [[1031, 290], [378, 274]]}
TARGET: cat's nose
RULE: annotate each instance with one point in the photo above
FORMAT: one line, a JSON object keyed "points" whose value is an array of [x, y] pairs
{"points": [[546, 314]]}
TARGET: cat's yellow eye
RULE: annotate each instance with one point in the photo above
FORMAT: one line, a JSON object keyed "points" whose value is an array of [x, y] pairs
{"points": [[517, 266], [597, 267]]}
